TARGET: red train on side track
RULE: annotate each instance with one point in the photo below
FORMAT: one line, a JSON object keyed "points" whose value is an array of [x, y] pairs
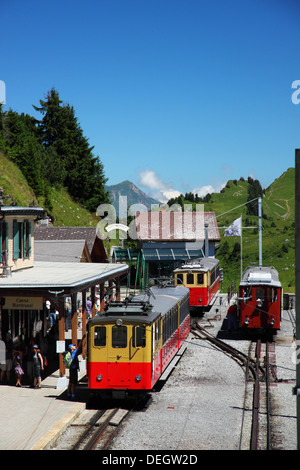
{"points": [[260, 299], [202, 277]]}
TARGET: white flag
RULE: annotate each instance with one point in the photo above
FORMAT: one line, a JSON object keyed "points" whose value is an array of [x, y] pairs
{"points": [[235, 229]]}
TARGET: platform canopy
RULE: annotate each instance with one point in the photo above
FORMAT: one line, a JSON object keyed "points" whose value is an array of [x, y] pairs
{"points": [[64, 278]]}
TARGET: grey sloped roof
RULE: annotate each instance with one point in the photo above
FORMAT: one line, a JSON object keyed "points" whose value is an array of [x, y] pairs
{"points": [[66, 233], [264, 275], [59, 250]]}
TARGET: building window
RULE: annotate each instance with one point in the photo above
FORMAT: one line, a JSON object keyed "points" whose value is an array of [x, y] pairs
{"points": [[21, 239], [27, 239]]}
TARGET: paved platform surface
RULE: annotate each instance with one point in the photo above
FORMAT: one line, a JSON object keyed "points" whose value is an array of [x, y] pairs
{"points": [[31, 419]]}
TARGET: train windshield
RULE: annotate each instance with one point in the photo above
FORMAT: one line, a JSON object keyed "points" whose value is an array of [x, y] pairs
{"points": [[119, 336], [100, 336], [269, 294]]}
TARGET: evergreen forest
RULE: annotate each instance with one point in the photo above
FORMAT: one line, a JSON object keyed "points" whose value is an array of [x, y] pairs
{"points": [[52, 152]]}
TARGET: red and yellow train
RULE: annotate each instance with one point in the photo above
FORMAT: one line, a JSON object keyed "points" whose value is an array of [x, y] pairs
{"points": [[260, 299], [202, 277], [132, 343]]}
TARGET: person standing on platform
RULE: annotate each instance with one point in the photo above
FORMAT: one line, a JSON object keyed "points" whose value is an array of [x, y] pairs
{"points": [[88, 308], [232, 316], [74, 366], [18, 367], [38, 366]]}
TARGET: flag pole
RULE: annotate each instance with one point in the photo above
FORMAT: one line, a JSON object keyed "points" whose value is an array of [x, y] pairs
{"points": [[259, 233]]}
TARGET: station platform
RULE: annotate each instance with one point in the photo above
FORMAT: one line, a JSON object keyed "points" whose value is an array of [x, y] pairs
{"points": [[31, 418]]}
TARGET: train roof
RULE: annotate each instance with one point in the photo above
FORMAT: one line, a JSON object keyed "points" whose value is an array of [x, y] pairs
{"points": [[144, 307], [201, 264], [260, 275]]}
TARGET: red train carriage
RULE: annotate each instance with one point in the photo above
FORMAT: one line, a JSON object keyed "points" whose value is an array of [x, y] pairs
{"points": [[202, 277], [132, 343], [260, 299]]}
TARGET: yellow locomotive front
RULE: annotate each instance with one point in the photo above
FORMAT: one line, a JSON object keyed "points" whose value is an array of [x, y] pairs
{"points": [[120, 350], [131, 344]]}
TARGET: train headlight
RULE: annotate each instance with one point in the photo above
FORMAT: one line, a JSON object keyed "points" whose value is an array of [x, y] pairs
{"points": [[247, 321], [200, 300], [272, 322], [138, 378], [99, 378], [119, 322]]}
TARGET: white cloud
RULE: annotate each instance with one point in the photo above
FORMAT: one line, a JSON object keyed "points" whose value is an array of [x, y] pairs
{"points": [[149, 179], [170, 193], [158, 188], [208, 189], [203, 190]]}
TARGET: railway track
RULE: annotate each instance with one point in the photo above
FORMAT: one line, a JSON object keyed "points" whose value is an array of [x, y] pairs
{"points": [[258, 377], [241, 358], [92, 430], [261, 408]]}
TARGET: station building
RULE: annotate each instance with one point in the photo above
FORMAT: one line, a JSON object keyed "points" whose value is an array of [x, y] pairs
{"points": [[167, 238], [26, 284]]}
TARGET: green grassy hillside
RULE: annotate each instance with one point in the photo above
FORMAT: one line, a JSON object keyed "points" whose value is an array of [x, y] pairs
{"points": [[14, 184], [17, 192], [279, 200], [278, 235]]}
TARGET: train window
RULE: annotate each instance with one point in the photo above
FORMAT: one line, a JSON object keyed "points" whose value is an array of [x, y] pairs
{"points": [[260, 293], [179, 279], [190, 278], [157, 332], [156, 336], [271, 294], [100, 336], [175, 319], [139, 337], [166, 328], [274, 294], [200, 278], [247, 294], [119, 336]]}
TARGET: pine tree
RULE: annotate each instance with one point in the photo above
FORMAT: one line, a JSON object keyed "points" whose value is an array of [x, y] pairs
{"points": [[79, 170], [254, 191]]}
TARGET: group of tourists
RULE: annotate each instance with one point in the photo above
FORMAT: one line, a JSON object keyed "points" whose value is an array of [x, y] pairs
{"points": [[13, 362]]}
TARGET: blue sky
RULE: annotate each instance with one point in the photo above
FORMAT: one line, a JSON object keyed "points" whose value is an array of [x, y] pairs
{"points": [[175, 95]]}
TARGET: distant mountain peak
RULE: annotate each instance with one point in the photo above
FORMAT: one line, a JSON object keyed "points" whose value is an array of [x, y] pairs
{"points": [[132, 192]]}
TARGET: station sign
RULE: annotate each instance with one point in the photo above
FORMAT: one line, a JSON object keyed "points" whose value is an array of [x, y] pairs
{"points": [[24, 303]]}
